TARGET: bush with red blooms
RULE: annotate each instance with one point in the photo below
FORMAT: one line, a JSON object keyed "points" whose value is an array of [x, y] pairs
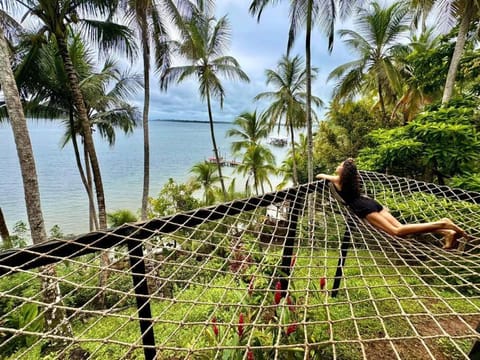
{"points": [[286, 323]]}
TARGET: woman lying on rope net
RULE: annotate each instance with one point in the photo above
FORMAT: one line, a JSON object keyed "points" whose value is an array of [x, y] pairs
{"points": [[347, 184]]}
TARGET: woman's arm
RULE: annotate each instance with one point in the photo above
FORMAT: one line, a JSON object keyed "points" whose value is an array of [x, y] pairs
{"points": [[333, 178]]}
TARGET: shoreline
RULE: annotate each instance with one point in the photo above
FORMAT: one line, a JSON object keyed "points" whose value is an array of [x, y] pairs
{"points": [[189, 121]]}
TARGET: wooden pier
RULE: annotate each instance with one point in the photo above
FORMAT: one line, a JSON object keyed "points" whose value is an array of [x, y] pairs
{"points": [[224, 162]]}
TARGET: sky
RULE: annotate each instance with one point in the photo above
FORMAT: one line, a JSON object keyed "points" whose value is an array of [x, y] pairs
{"points": [[257, 46]]}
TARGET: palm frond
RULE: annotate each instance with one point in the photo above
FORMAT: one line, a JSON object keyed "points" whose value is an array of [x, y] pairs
{"points": [[110, 35], [176, 74]]}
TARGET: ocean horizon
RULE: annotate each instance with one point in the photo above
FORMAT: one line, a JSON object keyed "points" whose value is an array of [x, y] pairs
{"points": [[175, 146]]}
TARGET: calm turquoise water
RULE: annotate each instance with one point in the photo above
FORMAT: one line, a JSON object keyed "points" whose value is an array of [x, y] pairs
{"points": [[175, 147]]}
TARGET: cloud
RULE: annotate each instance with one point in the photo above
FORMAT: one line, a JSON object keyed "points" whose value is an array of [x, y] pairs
{"points": [[257, 46]]}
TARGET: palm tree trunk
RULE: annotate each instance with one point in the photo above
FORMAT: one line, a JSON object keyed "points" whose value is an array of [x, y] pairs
{"points": [[88, 143], [23, 144], [309, 90], [153, 281], [91, 204], [87, 133], [92, 214], [458, 52], [146, 105], [4, 234], [214, 143], [54, 315], [294, 157], [382, 102]]}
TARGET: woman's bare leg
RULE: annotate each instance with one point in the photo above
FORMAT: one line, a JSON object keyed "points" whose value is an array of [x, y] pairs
{"points": [[382, 221], [390, 218]]}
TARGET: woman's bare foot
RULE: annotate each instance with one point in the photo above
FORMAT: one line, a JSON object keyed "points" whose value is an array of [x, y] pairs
{"points": [[451, 225], [451, 239]]}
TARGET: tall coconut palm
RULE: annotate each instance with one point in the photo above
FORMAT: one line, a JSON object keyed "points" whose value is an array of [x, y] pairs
{"points": [[55, 317], [42, 78], [306, 13], [22, 142], [147, 18], [466, 11], [56, 19], [249, 129], [205, 174], [381, 30], [203, 43], [288, 105]]}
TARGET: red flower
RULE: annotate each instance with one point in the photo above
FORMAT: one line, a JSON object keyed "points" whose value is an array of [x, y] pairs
{"points": [[241, 321], [291, 328], [323, 282], [214, 326], [250, 355], [294, 260], [290, 304], [278, 292], [250, 286]]}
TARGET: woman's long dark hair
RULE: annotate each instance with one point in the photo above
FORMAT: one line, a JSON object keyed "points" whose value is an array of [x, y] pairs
{"points": [[350, 179]]}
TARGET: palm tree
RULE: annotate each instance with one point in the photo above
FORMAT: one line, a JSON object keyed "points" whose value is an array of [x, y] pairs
{"points": [[205, 175], [467, 11], [307, 13], [421, 9], [42, 78], [250, 129], [450, 12], [56, 19], [152, 32], [55, 317], [23, 144], [257, 164], [294, 156], [289, 106], [44, 75], [203, 43], [381, 30], [416, 93]]}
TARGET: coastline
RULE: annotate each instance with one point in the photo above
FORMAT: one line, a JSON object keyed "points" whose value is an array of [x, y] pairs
{"points": [[175, 147], [189, 121]]}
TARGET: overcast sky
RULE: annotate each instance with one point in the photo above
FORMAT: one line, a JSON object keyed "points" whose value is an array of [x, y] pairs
{"points": [[257, 47]]}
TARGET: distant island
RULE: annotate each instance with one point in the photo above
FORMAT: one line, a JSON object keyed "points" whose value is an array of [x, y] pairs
{"points": [[191, 121]]}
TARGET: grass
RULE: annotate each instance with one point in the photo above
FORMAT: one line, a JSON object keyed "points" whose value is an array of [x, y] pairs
{"points": [[376, 302]]}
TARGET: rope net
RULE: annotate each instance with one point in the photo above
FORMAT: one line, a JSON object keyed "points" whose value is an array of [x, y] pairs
{"points": [[254, 279]]}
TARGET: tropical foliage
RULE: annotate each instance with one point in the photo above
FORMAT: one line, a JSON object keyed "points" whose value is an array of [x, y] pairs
{"points": [[407, 105], [439, 144]]}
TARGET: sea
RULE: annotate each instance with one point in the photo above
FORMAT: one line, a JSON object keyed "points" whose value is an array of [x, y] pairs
{"points": [[175, 147]]}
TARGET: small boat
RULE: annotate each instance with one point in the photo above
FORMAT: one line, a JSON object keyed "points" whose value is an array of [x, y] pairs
{"points": [[278, 141]]}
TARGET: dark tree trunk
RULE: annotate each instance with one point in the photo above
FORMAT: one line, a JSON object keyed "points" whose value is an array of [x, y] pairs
{"points": [[146, 105], [214, 143], [294, 157], [309, 91]]}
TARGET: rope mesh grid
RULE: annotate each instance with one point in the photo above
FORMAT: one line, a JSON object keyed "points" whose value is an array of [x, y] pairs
{"points": [[238, 281]]}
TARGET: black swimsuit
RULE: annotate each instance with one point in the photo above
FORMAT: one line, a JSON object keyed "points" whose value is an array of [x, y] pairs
{"points": [[361, 205]]}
